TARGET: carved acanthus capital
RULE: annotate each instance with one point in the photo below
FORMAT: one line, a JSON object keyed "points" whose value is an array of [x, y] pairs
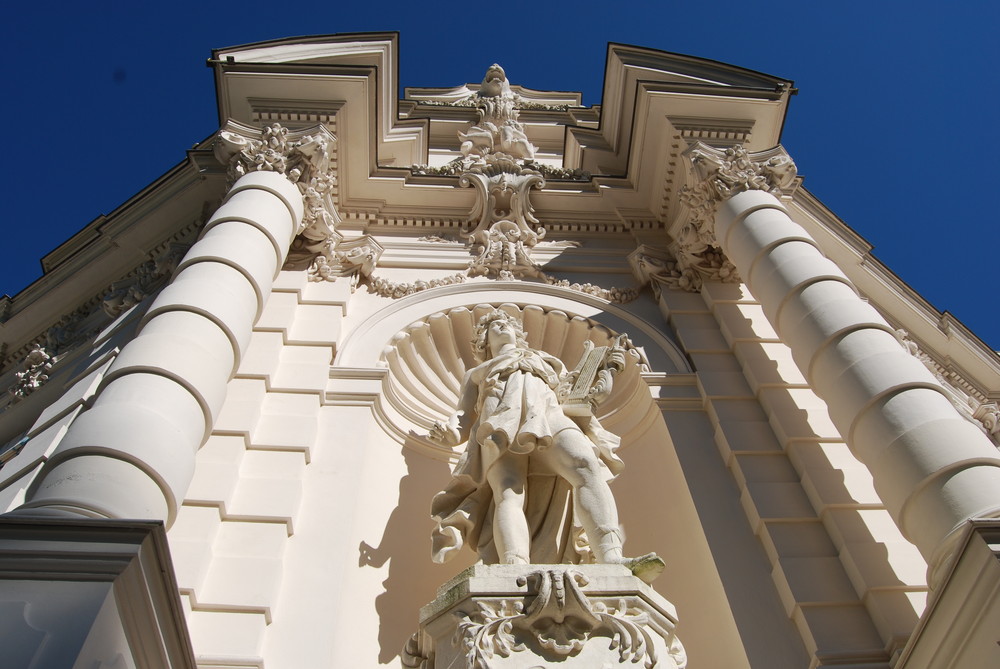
{"points": [[303, 156], [718, 175], [723, 173], [988, 414]]}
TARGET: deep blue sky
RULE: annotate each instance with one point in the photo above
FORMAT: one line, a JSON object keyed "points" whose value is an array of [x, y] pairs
{"points": [[895, 126]]}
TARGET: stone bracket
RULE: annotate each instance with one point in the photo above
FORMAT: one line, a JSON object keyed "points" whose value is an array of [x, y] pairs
{"points": [[498, 616]]}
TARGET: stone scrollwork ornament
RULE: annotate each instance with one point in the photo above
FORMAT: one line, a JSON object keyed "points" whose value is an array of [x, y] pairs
{"points": [[495, 151], [560, 619], [498, 161], [720, 174], [305, 158], [506, 228], [491, 617], [35, 373]]}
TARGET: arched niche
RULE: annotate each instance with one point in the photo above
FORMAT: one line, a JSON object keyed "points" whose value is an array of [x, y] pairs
{"points": [[422, 346], [407, 361]]}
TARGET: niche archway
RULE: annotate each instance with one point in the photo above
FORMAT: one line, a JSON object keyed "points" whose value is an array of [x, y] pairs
{"points": [[426, 350]]}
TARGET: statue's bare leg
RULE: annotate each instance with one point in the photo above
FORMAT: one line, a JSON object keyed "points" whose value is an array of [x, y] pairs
{"points": [[572, 457], [508, 477]]}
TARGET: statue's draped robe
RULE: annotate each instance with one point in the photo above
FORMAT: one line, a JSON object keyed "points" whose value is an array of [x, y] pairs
{"points": [[518, 411]]}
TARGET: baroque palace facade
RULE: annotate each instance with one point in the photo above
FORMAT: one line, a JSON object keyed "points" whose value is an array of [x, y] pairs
{"points": [[222, 432]]}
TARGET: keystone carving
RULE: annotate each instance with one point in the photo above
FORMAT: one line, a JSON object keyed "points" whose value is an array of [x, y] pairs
{"points": [[506, 228], [720, 174], [305, 159]]}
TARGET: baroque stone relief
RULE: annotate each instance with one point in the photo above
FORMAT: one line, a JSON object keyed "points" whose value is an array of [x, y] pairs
{"points": [[498, 131], [719, 174], [535, 616], [498, 161], [34, 373], [150, 276], [305, 158], [83, 323]]}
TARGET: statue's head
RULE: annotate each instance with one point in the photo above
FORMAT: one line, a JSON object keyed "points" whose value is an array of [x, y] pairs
{"points": [[481, 345], [495, 83]]}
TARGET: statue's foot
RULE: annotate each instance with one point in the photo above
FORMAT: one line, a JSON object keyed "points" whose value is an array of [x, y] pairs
{"points": [[645, 567]]}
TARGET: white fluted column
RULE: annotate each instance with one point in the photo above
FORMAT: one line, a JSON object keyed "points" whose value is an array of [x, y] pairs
{"points": [[933, 469], [132, 454]]}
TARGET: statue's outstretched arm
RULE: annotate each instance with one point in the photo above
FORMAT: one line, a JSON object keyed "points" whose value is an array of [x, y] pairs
{"points": [[456, 430]]}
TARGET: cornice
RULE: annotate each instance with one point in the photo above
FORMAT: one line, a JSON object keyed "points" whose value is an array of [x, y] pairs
{"points": [[82, 270]]}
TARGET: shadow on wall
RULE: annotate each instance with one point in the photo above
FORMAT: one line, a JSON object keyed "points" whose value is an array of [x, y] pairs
{"points": [[406, 545]]}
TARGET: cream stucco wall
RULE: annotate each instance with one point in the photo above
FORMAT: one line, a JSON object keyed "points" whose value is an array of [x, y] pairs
{"points": [[305, 535]]}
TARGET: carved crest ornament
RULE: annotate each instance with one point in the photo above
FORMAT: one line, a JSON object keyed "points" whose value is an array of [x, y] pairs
{"points": [[498, 160]]}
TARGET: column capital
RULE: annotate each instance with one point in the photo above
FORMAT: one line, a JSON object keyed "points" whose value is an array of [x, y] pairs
{"points": [[303, 156], [306, 158], [715, 175]]}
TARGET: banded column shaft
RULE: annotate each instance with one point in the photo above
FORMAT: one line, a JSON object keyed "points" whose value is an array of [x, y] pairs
{"points": [[933, 469], [132, 454]]}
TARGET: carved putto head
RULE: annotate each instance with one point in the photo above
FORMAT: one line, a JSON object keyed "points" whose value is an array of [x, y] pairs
{"points": [[480, 345], [495, 83]]}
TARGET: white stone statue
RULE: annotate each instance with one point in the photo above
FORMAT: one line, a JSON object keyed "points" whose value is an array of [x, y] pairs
{"points": [[498, 130], [536, 467]]}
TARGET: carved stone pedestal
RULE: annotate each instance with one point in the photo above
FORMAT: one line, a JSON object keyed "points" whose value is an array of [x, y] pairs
{"points": [[540, 616]]}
